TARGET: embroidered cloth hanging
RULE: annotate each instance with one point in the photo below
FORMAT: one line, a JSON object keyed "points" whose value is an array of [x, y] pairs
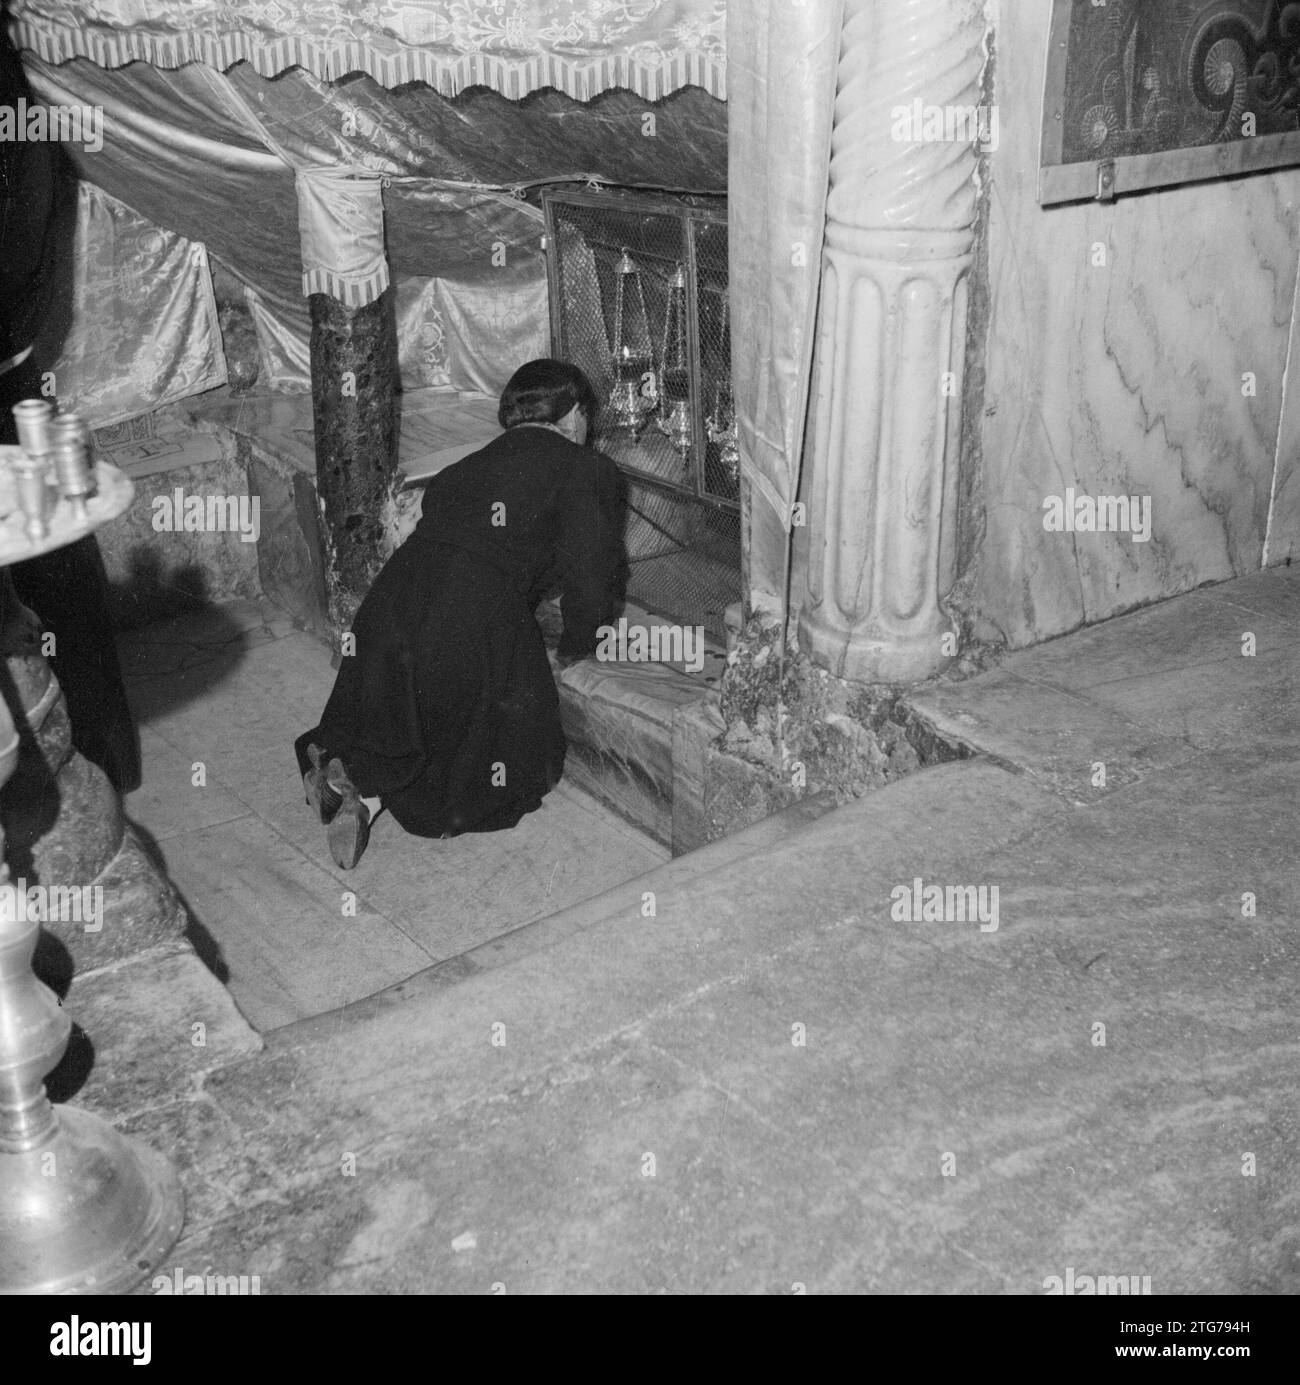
{"points": [[652, 47], [341, 228]]}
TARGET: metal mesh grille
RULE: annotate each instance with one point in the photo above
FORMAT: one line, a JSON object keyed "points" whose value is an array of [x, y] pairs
{"points": [[666, 402]]}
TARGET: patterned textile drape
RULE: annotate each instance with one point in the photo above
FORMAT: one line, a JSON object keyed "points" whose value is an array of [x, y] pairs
{"points": [[227, 155], [144, 328], [782, 59], [515, 47], [453, 335], [213, 156], [180, 150]]}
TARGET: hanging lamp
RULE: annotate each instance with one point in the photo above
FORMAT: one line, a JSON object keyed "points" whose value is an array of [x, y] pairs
{"points": [[630, 405]]}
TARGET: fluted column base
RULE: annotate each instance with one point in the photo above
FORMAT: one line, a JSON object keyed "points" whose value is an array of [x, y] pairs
{"points": [[892, 341]]}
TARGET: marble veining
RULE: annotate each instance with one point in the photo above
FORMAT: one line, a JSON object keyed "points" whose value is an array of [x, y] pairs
{"points": [[1134, 349]]}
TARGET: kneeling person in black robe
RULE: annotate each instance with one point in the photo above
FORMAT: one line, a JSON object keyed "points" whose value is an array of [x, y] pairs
{"points": [[447, 712]]}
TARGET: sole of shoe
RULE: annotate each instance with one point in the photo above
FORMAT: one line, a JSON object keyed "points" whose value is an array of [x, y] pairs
{"points": [[348, 833]]}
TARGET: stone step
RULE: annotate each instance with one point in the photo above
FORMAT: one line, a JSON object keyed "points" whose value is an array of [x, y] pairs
{"points": [[624, 898], [149, 1029], [1112, 705], [637, 738]]}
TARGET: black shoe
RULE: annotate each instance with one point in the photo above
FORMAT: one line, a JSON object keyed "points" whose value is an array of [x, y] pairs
{"points": [[348, 828], [323, 796], [348, 833]]}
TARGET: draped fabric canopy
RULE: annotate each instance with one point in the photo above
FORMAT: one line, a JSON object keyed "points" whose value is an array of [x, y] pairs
{"points": [[427, 95], [580, 47], [140, 327], [227, 159]]}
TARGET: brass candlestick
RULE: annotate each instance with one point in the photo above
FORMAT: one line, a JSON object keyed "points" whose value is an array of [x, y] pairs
{"points": [[32, 484], [31, 471], [82, 1208], [33, 417], [69, 441]]}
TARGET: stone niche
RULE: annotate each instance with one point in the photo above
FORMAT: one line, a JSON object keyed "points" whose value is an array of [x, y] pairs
{"points": [[155, 566], [639, 300], [688, 756], [638, 733]]}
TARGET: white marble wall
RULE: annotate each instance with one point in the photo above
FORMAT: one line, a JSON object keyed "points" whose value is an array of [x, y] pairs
{"points": [[1127, 378]]}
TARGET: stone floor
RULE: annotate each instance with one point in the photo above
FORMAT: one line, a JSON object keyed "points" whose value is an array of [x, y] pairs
{"points": [[750, 1071], [220, 698]]}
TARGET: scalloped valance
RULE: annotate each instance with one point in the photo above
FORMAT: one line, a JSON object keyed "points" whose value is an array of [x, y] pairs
{"points": [[580, 47]]}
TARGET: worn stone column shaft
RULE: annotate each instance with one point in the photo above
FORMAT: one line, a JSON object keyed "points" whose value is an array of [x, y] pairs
{"points": [[354, 387], [62, 821], [891, 343]]}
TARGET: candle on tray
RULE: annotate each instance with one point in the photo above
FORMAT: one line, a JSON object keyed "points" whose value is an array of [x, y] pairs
{"points": [[72, 467]]}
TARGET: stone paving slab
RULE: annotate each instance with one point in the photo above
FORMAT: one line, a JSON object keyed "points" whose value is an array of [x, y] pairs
{"points": [[292, 943], [230, 689], [1056, 737], [568, 849], [518, 943], [818, 1163], [153, 1025], [169, 784], [1210, 704], [774, 1079], [1138, 694]]}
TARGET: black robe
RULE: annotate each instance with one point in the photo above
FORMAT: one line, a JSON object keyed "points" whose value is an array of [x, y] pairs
{"points": [[68, 587], [448, 709]]}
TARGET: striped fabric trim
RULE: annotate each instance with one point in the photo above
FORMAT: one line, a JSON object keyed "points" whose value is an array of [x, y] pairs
{"points": [[351, 292], [514, 78]]}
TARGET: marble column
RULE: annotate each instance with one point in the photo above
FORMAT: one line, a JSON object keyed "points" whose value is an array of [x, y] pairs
{"points": [[891, 340], [354, 386]]}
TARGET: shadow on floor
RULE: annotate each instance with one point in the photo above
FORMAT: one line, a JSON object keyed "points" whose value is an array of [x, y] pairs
{"points": [[196, 932], [180, 659], [151, 594], [54, 967]]}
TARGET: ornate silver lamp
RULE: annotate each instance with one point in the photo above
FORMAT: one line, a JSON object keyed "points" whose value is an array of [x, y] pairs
{"points": [[633, 360], [675, 421], [83, 1209]]}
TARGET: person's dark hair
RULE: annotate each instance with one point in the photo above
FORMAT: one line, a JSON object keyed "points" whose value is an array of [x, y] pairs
{"points": [[543, 392]]}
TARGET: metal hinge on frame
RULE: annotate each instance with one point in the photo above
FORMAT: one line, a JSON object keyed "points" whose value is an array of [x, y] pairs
{"points": [[1106, 181]]}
